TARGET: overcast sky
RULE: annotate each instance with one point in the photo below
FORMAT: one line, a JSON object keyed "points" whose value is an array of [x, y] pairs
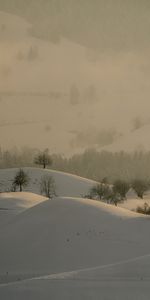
{"points": [[72, 68]]}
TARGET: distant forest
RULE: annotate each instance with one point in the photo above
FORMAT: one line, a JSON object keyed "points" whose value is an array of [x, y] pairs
{"points": [[90, 164]]}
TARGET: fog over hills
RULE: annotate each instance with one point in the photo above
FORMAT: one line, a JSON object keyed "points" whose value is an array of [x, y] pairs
{"points": [[74, 100], [76, 72]]}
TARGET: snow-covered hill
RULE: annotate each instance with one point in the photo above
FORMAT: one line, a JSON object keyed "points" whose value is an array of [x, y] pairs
{"points": [[19, 200], [48, 239], [12, 204], [79, 288], [65, 184], [64, 234]]}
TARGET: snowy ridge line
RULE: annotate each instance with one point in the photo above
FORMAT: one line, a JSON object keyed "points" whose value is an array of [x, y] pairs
{"points": [[68, 274]]}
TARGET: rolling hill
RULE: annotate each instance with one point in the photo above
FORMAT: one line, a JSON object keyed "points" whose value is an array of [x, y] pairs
{"points": [[12, 204], [64, 234], [66, 184], [68, 243]]}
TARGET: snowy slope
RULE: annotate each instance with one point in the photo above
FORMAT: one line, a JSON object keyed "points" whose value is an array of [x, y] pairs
{"points": [[81, 289], [66, 184], [133, 203], [70, 248], [12, 204], [123, 280], [19, 201], [66, 234]]}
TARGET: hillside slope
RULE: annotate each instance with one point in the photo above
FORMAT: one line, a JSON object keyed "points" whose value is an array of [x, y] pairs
{"points": [[125, 280], [66, 184], [19, 200], [65, 234], [12, 204]]}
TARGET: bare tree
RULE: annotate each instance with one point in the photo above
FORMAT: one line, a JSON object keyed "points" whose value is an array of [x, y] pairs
{"points": [[114, 198], [47, 184], [43, 158], [100, 190], [121, 187], [106, 193], [21, 180], [140, 186]]}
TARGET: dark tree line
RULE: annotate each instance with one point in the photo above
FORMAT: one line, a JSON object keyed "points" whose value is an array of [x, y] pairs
{"points": [[117, 192], [90, 164], [99, 165]]}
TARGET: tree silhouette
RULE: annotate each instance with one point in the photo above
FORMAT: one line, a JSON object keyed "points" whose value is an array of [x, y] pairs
{"points": [[43, 158], [140, 186], [121, 187], [48, 186], [100, 190], [21, 179]]}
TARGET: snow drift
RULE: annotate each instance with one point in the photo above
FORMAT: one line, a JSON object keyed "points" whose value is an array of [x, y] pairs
{"points": [[68, 233]]}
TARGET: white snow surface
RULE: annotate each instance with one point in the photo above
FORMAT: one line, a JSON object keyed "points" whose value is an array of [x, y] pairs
{"points": [[64, 234], [65, 184], [19, 200], [14, 203], [69, 247]]}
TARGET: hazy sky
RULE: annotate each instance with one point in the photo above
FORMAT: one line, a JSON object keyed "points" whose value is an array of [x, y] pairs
{"points": [[72, 73]]}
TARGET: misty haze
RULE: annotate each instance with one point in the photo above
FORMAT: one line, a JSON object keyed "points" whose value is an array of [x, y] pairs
{"points": [[74, 149], [74, 66]]}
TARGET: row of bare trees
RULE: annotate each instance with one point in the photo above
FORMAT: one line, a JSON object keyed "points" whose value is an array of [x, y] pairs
{"points": [[117, 192], [47, 183], [110, 193]]}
